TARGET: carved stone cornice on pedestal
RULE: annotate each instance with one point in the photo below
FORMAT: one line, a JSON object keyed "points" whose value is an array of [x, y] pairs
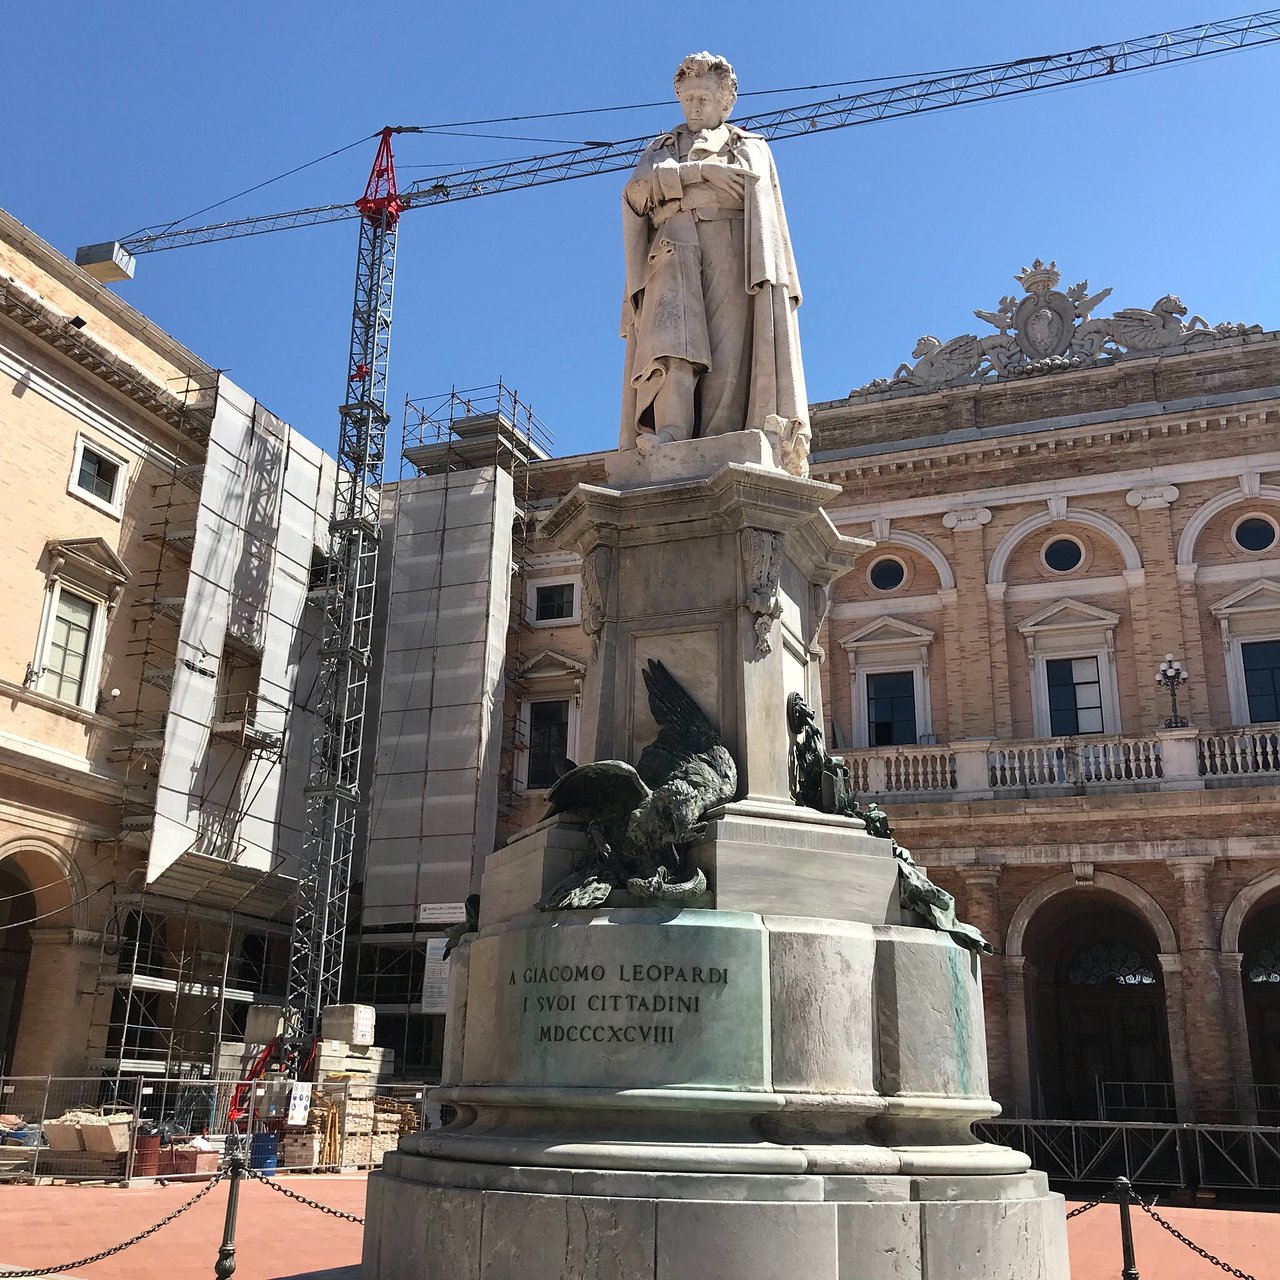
{"points": [[597, 569], [1155, 497], [967, 519], [820, 604], [762, 552]]}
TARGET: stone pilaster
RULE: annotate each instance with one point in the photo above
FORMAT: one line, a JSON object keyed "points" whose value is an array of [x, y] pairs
{"points": [[1017, 976], [997, 630], [1206, 1020], [1175, 1013], [1230, 965], [981, 908], [1156, 597], [970, 710], [57, 1002]]}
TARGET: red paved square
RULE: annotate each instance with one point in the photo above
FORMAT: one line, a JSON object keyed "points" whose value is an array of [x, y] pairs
{"points": [[281, 1240]]}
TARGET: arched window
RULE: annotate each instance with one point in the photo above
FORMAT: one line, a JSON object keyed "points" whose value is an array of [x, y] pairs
{"points": [[1097, 995], [1264, 964], [1110, 964], [17, 907], [1260, 977]]}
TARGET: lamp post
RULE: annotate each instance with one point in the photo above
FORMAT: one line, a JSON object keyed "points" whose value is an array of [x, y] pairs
{"points": [[1172, 677]]}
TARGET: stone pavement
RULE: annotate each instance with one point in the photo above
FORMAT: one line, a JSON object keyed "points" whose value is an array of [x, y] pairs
{"points": [[277, 1239], [281, 1240]]}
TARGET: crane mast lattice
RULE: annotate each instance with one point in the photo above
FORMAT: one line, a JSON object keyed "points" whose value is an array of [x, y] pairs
{"points": [[333, 783]]}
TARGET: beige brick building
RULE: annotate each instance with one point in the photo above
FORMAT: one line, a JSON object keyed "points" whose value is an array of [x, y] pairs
{"points": [[1042, 543], [159, 528]]}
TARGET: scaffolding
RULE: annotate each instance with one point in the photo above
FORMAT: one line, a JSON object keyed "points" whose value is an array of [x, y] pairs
{"points": [[177, 972], [456, 432], [489, 426]]}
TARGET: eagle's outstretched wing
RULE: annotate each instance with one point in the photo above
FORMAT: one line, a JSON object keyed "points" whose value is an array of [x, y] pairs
{"points": [[684, 729], [602, 790]]}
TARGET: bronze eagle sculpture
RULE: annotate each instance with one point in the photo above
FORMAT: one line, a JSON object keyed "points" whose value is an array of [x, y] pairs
{"points": [[639, 819]]}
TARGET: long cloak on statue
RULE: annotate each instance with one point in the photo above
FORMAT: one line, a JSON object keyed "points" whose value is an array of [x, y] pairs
{"points": [[663, 312]]}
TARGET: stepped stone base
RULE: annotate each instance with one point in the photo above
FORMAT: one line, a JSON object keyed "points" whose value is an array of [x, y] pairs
{"points": [[453, 1221]]}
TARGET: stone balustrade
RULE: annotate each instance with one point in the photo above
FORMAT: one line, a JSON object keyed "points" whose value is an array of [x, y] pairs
{"points": [[980, 769]]}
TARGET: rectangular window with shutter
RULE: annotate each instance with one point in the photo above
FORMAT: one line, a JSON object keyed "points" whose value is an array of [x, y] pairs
{"points": [[891, 708], [66, 654], [548, 740], [1075, 696]]}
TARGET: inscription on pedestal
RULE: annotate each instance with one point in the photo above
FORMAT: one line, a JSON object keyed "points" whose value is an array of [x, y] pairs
{"points": [[595, 992], [649, 1004]]}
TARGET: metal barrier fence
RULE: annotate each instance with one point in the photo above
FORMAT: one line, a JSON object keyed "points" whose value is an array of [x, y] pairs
{"points": [[106, 1129], [1186, 1156]]}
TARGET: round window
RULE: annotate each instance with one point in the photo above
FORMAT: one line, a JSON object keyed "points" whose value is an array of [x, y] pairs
{"points": [[887, 574], [1063, 554], [1254, 533]]}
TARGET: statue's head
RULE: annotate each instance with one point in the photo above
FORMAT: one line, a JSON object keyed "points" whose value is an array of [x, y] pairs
{"points": [[707, 89]]}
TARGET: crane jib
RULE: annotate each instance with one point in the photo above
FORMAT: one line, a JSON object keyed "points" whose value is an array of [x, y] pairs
{"points": [[911, 97]]}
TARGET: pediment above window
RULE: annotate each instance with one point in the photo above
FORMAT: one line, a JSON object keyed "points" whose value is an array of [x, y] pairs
{"points": [[1258, 597], [89, 563], [549, 665], [1068, 613], [1069, 623], [1252, 609], [887, 633]]}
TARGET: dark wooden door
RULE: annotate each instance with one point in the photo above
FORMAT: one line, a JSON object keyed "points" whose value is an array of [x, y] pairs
{"points": [[1110, 1034], [1262, 1009]]}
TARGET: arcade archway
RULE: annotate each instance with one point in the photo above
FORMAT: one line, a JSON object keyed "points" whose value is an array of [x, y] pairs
{"points": [[1098, 1013]]}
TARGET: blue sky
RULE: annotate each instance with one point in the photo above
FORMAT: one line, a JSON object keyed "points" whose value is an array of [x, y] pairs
{"points": [[118, 116]]}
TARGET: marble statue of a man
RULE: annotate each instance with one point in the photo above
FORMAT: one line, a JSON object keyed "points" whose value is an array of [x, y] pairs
{"points": [[709, 314]]}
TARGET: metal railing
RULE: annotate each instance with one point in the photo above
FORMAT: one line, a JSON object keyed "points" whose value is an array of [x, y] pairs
{"points": [[1206, 1157], [1230, 752], [1137, 1100], [1084, 1151], [985, 769], [1070, 762], [115, 1130]]}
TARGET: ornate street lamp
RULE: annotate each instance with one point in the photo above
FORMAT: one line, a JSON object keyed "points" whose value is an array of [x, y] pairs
{"points": [[1172, 677]]}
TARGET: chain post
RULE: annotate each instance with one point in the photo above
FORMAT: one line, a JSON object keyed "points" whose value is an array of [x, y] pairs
{"points": [[236, 1154], [1129, 1268]]}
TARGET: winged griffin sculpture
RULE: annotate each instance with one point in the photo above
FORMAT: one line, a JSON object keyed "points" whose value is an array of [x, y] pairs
{"points": [[638, 819]]}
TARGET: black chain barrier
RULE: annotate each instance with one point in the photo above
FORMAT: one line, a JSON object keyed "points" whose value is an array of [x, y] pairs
{"points": [[1082, 1208], [311, 1204], [1191, 1244], [124, 1244]]}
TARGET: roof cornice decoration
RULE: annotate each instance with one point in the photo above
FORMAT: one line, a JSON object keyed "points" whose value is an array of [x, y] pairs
{"points": [[1049, 331], [191, 412]]}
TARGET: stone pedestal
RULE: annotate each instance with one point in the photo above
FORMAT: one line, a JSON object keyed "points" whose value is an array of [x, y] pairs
{"points": [[714, 561], [778, 1079]]}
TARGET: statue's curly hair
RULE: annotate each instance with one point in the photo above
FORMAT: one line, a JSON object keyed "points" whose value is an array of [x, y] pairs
{"points": [[704, 64]]}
